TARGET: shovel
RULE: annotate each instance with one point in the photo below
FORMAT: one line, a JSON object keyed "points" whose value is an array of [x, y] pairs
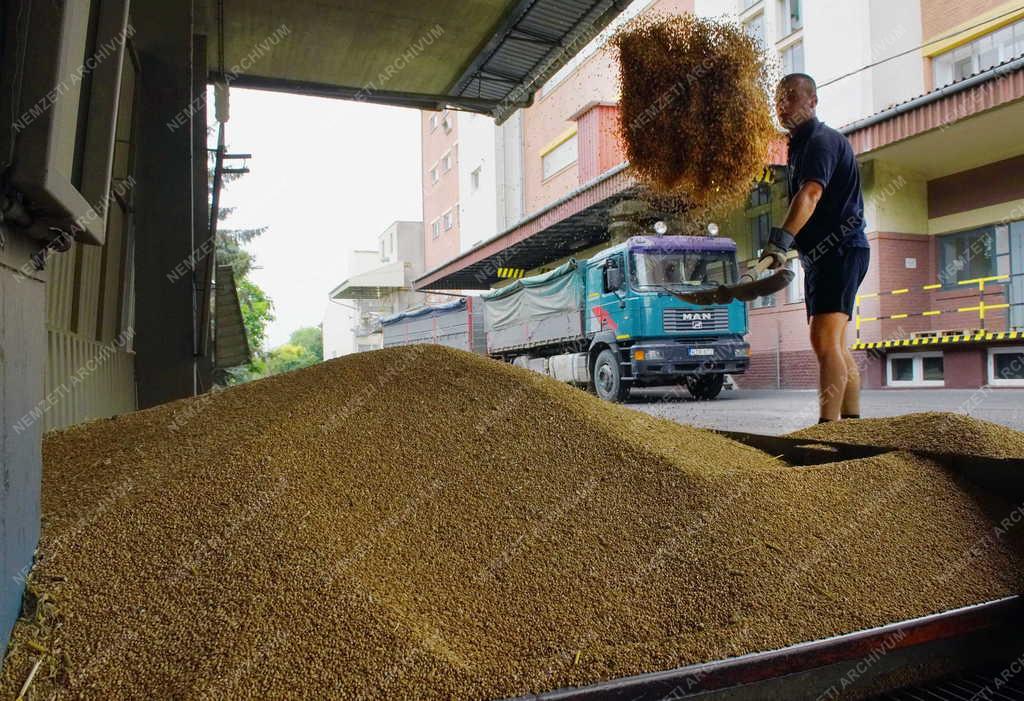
{"points": [[748, 287]]}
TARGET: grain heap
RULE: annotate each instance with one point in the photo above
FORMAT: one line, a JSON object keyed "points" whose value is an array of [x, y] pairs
{"points": [[364, 530], [695, 116], [931, 431]]}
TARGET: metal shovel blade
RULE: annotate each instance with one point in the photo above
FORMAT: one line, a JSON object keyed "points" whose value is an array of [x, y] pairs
{"points": [[743, 291]]}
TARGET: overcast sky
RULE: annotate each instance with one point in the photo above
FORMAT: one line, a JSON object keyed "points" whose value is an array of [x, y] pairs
{"points": [[327, 177]]}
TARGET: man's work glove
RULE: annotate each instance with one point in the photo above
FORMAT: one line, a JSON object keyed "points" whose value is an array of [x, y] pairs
{"points": [[779, 243]]}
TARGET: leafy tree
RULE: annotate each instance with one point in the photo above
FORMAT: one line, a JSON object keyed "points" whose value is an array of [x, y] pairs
{"points": [[257, 312], [311, 338], [288, 357]]}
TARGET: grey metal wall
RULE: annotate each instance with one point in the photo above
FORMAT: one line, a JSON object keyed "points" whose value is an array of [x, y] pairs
{"points": [[22, 358]]}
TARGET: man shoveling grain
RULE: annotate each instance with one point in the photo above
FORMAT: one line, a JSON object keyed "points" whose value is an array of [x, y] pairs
{"points": [[825, 222]]}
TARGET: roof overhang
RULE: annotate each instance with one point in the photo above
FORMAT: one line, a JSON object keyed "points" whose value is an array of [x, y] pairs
{"points": [[940, 109], [575, 222], [487, 56], [373, 284]]}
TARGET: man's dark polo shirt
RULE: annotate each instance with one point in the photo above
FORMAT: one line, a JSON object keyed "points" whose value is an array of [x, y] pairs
{"points": [[820, 153]]}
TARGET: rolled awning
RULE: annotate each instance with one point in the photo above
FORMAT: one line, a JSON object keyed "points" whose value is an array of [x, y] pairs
{"points": [[487, 56], [373, 284]]}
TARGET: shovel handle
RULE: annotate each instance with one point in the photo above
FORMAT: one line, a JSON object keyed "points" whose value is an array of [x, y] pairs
{"points": [[761, 266]]}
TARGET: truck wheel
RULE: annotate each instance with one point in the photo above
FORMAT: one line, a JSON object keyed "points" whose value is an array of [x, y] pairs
{"points": [[607, 376], [703, 387]]}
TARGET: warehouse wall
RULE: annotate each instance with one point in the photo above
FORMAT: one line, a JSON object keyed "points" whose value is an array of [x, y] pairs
{"points": [[22, 358]]}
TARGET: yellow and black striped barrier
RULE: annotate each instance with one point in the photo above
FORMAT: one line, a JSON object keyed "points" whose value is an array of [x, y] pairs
{"points": [[975, 337], [980, 307], [510, 273]]}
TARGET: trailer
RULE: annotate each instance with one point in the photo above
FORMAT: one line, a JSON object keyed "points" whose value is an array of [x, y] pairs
{"points": [[458, 324]]}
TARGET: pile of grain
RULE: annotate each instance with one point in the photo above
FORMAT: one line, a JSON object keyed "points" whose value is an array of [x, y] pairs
{"points": [[931, 431], [425, 523], [695, 116]]}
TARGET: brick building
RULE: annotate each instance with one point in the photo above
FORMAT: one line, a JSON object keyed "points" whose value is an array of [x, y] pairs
{"points": [[935, 122]]}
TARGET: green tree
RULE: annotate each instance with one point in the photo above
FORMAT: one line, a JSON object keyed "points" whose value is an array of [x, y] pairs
{"points": [[311, 338], [257, 312], [288, 357]]}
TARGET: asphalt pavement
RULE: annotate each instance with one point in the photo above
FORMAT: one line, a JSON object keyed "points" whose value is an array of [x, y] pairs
{"points": [[782, 411]]}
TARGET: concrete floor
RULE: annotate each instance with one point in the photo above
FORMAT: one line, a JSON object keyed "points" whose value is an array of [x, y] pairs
{"points": [[782, 411]]}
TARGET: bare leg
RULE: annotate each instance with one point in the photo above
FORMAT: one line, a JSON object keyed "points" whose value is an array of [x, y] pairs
{"points": [[827, 339], [851, 398]]}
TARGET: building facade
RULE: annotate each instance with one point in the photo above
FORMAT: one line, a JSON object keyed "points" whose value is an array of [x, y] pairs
{"points": [[927, 92], [379, 284]]}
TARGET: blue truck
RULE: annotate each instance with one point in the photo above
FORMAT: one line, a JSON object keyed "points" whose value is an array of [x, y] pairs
{"points": [[608, 322]]}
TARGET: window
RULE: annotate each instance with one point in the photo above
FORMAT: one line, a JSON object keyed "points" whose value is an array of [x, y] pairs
{"points": [[747, 4], [755, 27], [561, 156], [435, 229], [793, 58], [760, 228], [433, 175], [446, 162], [979, 55], [474, 179], [795, 291], [433, 122], [790, 17], [915, 369], [446, 123], [449, 220], [1006, 366], [966, 256]]}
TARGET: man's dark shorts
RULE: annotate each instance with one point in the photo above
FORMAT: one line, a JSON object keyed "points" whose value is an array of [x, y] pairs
{"points": [[831, 280]]}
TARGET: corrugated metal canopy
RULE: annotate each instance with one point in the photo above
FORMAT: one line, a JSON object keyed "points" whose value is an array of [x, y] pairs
{"points": [[487, 56], [231, 344], [575, 222], [373, 284]]}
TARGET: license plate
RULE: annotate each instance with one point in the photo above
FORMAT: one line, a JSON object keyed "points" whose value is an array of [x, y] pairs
{"points": [[702, 351]]}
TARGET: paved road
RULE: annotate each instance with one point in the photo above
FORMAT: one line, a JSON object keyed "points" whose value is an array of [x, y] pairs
{"points": [[782, 411]]}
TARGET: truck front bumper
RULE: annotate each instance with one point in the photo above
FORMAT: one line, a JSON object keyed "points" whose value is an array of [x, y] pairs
{"points": [[649, 360]]}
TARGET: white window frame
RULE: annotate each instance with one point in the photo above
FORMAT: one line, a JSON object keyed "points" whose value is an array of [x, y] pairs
{"points": [[973, 50], [789, 46], [992, 379], [795, 291], [434, 177], [754, 17], [449, 220], [786, 27], [474, 179], [435, 229], [446, 122], [918, 365], [572, 142], [446, 162], [433, 122]]}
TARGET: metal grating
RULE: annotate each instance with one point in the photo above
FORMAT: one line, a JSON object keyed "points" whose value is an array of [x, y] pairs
{"points": [[538, 38], [1000, 684], [679, 320]]}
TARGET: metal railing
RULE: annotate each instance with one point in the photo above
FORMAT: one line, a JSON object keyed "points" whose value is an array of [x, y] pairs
{"points": [[981, 307]]}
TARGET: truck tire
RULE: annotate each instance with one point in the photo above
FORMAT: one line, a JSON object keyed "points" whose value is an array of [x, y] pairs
{"points": [[607, 377], [705, 387]]}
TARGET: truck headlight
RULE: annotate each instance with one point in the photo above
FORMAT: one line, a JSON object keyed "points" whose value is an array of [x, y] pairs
{"points": [[648, 355], [742, 352]]}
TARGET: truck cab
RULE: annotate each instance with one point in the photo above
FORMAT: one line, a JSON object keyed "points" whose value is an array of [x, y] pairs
{"points": [[641, 335]]}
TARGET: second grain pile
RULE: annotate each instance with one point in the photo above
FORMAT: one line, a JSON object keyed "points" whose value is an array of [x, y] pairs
{"points": [[425, 523]]}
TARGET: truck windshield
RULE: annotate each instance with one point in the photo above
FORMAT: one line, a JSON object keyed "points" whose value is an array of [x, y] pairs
{"points": [[683, 269]]}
